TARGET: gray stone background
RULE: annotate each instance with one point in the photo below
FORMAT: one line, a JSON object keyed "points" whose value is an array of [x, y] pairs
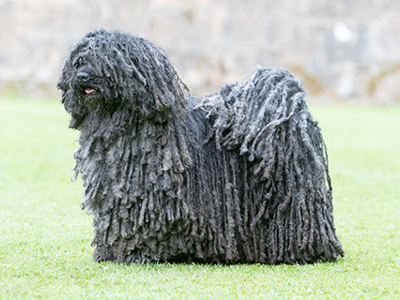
{"points": [[342, 50]]}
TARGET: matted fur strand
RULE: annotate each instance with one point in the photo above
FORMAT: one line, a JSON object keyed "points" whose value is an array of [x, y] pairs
{"points": [[239, 177]]}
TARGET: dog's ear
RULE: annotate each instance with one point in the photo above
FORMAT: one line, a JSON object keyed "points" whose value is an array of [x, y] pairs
{"points": [[144, 77]]}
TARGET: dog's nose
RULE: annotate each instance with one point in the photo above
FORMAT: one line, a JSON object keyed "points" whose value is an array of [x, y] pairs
{"points": [[82, 77]]}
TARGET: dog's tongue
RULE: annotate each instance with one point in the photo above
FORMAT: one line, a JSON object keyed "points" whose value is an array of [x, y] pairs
{"points": [[89, 91]]}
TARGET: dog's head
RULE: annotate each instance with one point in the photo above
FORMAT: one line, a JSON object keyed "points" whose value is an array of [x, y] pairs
{"points": [[109, 70]]}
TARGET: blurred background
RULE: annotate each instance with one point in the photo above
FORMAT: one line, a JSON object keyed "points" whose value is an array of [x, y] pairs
{"points": [[342, 50]]}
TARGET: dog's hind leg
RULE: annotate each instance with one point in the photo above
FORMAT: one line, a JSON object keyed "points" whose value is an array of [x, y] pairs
{"points": [[290, 209]]}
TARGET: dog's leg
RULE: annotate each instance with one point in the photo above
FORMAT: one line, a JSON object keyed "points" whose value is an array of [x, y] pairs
{"points": [[289, 202], [103, 253]]}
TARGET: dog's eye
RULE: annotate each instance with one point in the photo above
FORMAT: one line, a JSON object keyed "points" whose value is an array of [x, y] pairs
{"points": [[79, 62]]}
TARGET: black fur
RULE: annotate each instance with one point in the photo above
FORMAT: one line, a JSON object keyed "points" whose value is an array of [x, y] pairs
{"points": [[240, 177]]}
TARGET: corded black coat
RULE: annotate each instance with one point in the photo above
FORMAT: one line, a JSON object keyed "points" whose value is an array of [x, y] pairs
{"points": [[239, 177]]}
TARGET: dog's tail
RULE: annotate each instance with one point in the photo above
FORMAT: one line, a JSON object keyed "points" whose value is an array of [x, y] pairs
{"points": [[267, 120]]}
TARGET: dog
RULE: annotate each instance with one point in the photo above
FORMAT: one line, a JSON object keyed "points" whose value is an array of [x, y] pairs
{"points": [[240, 176]]}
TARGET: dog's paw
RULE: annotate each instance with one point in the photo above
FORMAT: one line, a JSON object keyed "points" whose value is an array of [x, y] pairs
{"points": [[103, 253]]}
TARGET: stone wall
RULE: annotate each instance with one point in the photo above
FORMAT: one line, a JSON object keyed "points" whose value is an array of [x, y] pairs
{"points": [[340, 49]]}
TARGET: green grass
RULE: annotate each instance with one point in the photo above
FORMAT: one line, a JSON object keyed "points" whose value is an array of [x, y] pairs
{"points": [[45, 250]]}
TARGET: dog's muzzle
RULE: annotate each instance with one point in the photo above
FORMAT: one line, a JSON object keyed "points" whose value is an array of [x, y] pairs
{"points": [[82, 77]]}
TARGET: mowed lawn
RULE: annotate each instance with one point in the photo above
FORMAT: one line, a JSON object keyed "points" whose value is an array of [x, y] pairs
{"points": [[45, 237]]}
